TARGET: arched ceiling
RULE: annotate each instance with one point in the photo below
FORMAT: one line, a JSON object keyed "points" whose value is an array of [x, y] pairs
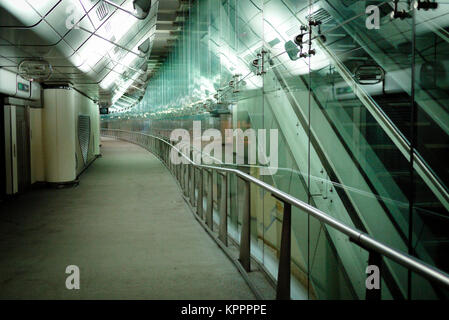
{"points": [[92, 45]]}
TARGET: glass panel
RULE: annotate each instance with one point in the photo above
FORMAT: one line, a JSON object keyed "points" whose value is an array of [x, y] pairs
{"points": [[431, 140], [233, 225], [423, 289], [300, 256], [257, 221], [335, 273]]}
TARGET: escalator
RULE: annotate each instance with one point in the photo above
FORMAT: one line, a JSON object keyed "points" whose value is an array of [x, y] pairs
{"points": [[390, 50], [367, 118], [424, 123]]}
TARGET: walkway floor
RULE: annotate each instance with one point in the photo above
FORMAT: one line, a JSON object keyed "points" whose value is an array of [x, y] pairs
{"points": [[127, 229]]}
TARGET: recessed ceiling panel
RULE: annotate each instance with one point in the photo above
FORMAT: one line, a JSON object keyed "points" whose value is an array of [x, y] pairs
{"points": [[76, 37], [7, 62], [40, 35], [43, 7], [17, 13], [65, 16], [61, 51]]}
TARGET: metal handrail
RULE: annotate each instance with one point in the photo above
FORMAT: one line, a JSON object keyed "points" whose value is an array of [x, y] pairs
{"points": [[359, 237]]}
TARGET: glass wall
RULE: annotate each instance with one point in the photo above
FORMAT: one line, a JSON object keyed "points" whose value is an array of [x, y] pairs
{"points": [[357, 92]]}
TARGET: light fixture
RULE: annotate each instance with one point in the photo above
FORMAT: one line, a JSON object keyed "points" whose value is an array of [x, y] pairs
{"points": [[141, 8], [398, 14], [145, 47], [35, 70], [425, 5]]}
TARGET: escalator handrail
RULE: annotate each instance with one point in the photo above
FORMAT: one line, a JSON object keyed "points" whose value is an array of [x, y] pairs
{"points": [[361, 238], [387, 125]]}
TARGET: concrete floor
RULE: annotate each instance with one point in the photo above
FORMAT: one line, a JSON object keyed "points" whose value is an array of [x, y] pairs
{"points": [[125, 226]]}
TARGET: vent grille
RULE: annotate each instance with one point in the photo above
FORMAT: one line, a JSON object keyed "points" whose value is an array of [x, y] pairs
{"points": [[102, 11], [321, 15], [84, 135]]}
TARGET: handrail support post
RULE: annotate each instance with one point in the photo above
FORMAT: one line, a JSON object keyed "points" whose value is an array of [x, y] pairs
{"points": [[284, 271], [245, 236], [223, 229]]}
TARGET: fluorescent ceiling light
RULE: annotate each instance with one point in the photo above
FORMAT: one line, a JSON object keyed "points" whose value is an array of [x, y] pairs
{"points": [[96, 48], [120, 67]]}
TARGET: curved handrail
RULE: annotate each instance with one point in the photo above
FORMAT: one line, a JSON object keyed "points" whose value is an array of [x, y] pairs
{"points": [[359, 237]]}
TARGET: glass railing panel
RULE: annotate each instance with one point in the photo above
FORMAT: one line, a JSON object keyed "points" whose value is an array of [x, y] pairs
{"points": [[216, 183], [393, 233], [379, 279], [272, 225], [329, 278], [257, 220], [431, 93], [417, 287], [430, 240], [423, 289], [233, 215], [300, 256]]}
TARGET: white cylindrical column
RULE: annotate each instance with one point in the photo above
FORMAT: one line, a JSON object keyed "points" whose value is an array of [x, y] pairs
{"points": [[58, 126]]}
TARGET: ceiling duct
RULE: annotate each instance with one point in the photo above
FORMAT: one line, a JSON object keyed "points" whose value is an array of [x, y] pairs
{"points": [[102, 11], [35, 70]]}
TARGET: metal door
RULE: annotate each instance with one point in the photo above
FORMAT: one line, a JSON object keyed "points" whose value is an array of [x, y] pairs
{"points": [[17, 149], [2, 152], [23, 149]]}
